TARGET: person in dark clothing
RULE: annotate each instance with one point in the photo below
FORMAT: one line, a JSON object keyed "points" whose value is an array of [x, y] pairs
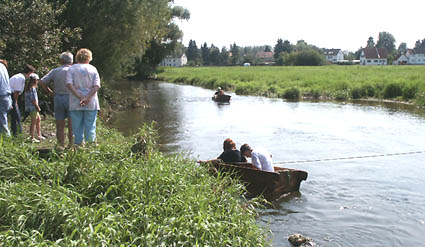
{"points": [[230, 153]]}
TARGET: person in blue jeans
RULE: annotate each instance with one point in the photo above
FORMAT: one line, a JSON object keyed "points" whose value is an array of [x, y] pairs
{"points": [[57, 77], [5, 100], [83, 82], [17, 85]]}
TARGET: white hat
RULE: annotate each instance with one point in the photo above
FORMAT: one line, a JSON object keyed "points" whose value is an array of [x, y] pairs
{"points": [[34, 76]]}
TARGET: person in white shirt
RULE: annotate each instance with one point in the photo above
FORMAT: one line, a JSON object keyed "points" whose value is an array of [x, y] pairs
{"points": [[83, 82], [260, 158], [5, 100], [17, 85]]}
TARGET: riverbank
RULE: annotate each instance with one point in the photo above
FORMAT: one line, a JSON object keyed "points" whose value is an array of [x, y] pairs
{"points": [[395, 83], [110, 195]]}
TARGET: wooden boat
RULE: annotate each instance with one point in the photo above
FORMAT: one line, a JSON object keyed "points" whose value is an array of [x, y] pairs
{"points": [[221, 98], [272, 185]]}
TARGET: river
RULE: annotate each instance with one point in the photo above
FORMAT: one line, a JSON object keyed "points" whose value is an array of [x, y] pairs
{"points": [[355, 202]]}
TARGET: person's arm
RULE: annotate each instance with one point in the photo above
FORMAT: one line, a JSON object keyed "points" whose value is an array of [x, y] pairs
{"points": [[37, 107], [88, 97], [73, 91], [255, 161], [45, 87], [15, 96]]}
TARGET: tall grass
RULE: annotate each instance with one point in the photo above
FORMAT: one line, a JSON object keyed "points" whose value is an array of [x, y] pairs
{"points": [[109, 196], [335, 82]]}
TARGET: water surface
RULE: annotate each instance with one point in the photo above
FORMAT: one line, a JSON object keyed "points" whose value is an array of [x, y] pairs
{"points": [[359, 202]]}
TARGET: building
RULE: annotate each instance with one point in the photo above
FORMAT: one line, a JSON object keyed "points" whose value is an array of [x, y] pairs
{"points": [[415, 57], [174, 61], [374, 56], [265, 57], [400, 59], [333, 55]]}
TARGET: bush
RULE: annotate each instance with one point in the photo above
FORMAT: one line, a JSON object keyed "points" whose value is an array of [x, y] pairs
{"points": [[367, 90], [307, 58], [392, 90], [292, 93], [341, 95], [410, 91], [356, 93]]}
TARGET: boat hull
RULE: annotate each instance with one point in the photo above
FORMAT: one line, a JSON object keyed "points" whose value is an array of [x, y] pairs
{"points": [[221, 98], [272, 185]]}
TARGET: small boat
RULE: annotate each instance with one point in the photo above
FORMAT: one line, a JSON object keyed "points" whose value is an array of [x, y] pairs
{"points": [[221, 98], [272, 185]]}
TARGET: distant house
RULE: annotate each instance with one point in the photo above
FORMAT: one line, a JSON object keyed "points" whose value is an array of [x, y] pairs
{"points": [[415, 57], [400, 59], [333, 55], [265, 57], [174, 61], [374, 56]]}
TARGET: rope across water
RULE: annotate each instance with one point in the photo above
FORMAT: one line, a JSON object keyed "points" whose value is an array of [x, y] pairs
{"points": [[349, 158]]}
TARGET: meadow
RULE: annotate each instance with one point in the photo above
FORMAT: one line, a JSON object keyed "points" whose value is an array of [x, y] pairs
{"points": [[401, 83], [118, 194]]}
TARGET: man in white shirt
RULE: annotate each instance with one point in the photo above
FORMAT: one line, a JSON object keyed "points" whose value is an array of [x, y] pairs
{"points": [[17, 85], [5, 100], [260, 158]]}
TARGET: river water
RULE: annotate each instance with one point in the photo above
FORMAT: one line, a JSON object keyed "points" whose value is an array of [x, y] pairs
{"points": [[359, 202]]}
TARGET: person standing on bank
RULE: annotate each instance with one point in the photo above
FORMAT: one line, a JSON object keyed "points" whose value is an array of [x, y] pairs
{"points": [[57, 76], [83, 82], [5, 100], [32, 107], [260, 158], [17, 85]]}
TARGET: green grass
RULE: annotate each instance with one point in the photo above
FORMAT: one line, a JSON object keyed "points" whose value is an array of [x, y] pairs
{"points": [[405, 83], [106, 195]]}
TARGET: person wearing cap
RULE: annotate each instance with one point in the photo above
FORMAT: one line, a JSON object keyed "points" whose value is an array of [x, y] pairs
{"points": [[17, 85], [57, 78], [32, 107], [260, 158], [83, 82], [5, 100], [219, 91]]}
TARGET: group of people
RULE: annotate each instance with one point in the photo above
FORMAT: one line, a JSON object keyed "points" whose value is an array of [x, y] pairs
{"points": [[260, 158], [75, 89]]}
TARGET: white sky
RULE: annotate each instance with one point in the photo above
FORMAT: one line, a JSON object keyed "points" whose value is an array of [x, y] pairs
{"points": [[345, 24]]}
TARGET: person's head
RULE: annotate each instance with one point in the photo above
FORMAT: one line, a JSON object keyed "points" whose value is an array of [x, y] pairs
{"points": [[219, 88], [228, 144], [246, 150], [28, 70], [66, 58], [84, 56], [33, 82], [4, 62]]}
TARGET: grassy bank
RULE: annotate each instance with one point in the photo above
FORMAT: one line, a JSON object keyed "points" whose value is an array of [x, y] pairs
{"points": [[106, 195], [404, 83]]}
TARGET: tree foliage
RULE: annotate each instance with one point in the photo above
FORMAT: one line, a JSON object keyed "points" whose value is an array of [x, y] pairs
{"points": [[386, 40], [370, 43], [420, 46], [30, 33]]}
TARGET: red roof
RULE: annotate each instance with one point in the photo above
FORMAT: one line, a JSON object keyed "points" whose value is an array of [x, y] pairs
{"points": [[375, 53], [265, 54]]}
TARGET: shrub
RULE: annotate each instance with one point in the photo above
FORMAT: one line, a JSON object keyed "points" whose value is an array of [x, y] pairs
{"points": [[291, 93], [392, 90], [341, 95], [356, 93], [410, 91], [367, 90]]}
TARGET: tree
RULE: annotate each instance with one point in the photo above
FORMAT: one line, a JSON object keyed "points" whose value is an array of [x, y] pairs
{"points": [[215, 56], [224, 56], [386, 40], [420, 46], [278, 48], [205, 53], [308, 57], [370, 43], [267, 48], [117, 31], [33, 34], [192, 52], [235, 50], [402, 48]]}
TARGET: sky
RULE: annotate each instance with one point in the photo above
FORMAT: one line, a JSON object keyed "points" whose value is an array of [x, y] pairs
{"points": [[343, 24]]}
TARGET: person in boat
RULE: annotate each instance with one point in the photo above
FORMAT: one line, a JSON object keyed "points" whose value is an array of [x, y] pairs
{"points": [[219, 92], [260, 158], [230, 153]]}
